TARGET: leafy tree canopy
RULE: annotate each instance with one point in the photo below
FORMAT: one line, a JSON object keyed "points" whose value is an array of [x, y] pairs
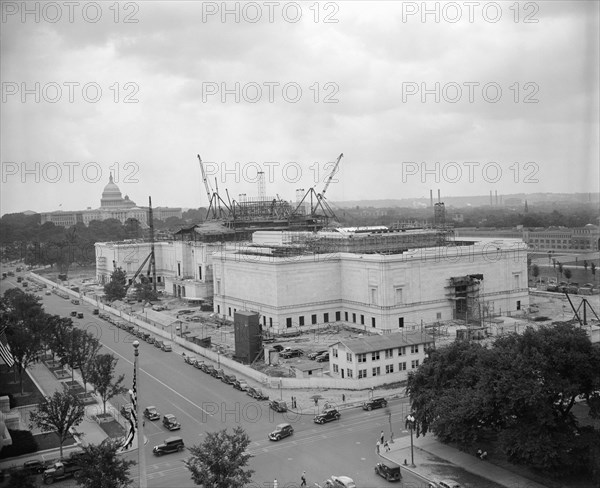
{"points": [[115, 289], [521, 389], [220, 460], [103, 467]]}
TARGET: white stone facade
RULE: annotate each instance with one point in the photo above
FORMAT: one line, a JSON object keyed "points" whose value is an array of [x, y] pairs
{"points": [[386, 292], [183, 268]]}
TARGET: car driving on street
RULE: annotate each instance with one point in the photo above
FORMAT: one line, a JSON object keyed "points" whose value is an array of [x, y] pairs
{"points": [[170, 422], [151, 413], [281, 431], [327, 416]]}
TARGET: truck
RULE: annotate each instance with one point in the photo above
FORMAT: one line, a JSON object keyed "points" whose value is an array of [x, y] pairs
{"points": [[61, 470]]}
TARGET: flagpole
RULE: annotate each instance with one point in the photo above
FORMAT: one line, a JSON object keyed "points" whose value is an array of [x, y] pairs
{"points": [[140, 421]]}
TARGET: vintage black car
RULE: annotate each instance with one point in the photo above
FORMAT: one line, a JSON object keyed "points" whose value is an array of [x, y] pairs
{"points": [[389, 472], [151, 413], [327, 416], [374, 403], [281, 431], [171, 444]]}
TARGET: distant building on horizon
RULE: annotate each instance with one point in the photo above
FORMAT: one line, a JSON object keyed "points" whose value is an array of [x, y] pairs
{"points": [[112, 206]]}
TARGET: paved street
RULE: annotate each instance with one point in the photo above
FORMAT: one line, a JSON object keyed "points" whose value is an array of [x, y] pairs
{"points": [[204, 404]]}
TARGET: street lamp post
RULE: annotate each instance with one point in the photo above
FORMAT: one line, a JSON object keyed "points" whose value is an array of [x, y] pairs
{"points": [[410, 421], [140, 422]]}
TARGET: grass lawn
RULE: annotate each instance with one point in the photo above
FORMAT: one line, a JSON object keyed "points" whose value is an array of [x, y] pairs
{"points": [[113, 429], [32, 395], [49, 440]]}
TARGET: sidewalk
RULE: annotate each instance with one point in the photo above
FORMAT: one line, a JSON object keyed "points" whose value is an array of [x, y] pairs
{"points": [[435, 461], [88, 431]]}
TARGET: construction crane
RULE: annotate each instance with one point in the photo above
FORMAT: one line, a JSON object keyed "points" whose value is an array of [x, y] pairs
{"points": [[319, 198], [335, 170], [214, 200], [205, 179], [150, 258]]}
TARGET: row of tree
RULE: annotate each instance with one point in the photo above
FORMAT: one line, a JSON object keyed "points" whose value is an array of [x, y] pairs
{"points": [[519, 393]]}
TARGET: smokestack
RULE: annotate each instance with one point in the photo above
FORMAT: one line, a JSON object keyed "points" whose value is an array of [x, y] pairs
{"points": [[431, 198], [439, 198], [496, 193]]}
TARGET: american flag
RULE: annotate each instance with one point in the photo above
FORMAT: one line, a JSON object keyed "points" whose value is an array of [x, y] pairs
{"points": [[128, 441], [5, 352]]}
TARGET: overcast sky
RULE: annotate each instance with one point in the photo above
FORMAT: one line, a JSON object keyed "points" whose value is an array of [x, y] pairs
{"points": [[503, 96]]}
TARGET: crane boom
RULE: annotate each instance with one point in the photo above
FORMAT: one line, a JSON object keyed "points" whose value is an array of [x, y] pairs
{"points": [[335, 169], [205, 180]]}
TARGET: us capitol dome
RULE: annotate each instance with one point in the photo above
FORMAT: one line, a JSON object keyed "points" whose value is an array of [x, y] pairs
{"points": [[112, 206]]}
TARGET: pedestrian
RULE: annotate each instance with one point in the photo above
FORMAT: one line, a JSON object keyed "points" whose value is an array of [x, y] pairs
{"points": [[343, 397], [382, 437], [479, 453], [387, 446], [275, 483], [303, 478], [377, 446], [483, 455]]}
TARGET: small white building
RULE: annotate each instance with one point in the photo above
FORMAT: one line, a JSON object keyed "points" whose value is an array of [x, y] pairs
{"points": [[390, 356]]}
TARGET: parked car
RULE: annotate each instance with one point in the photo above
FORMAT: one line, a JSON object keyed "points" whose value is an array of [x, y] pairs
{"points": [[327, 416], [80, 315], [230, 379], [449, 484], [259, 395], [390, 473], [281, 431], [171, 444], [278, 347], [74, 301], [379, 402], [240, 385], [35, 466], [342, 482], [170, 422], [291, 353], [323, 358], [209, 369], [158, 343], [151, 413], [278, 405], [74, 313], [96, 312], [314, 355], [218, 373], [166, 347], [126, 410]]}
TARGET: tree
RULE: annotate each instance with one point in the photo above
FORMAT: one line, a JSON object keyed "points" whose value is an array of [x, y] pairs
{"points": [[144, 290], [102, 377], [59, 413], [23, 316], [22, 479], [568, 273], [103, 467], [220, 460], [521, 389], [85, 348], [115, 288], [535, 271]]}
